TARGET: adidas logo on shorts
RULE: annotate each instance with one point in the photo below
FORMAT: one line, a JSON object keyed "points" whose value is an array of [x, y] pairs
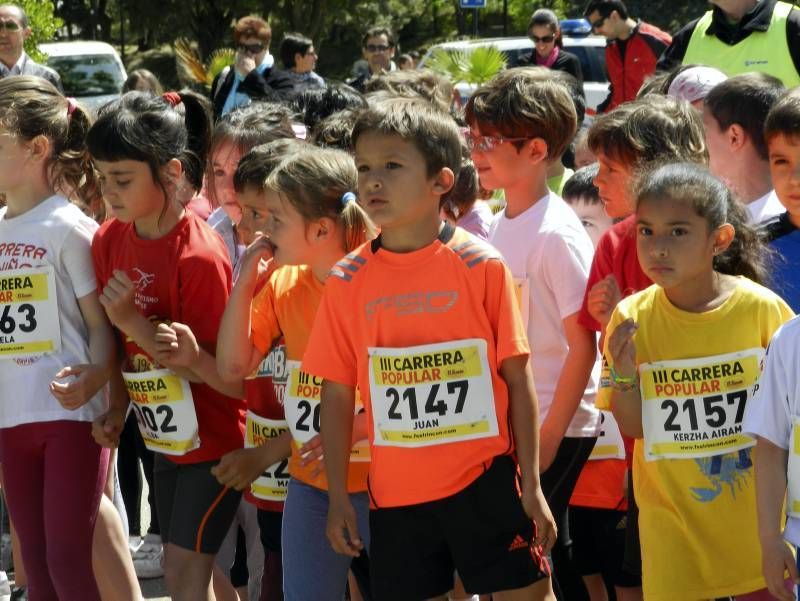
{"points": [[518, 543]]}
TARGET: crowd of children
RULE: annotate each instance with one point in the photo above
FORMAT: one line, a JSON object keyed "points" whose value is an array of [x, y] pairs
{"points": [[308, 323]]}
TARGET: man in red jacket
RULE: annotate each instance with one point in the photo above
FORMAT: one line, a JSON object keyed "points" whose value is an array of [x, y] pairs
{"points": [[633, 49]]}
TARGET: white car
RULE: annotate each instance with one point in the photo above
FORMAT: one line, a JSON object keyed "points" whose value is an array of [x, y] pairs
{"points": [[590, 50], [91, 72]]}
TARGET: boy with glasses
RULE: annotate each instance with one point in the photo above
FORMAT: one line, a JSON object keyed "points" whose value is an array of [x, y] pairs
{"points": [[14, 30], [632, 51]]}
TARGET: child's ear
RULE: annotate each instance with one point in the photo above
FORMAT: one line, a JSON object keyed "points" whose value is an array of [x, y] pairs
{"points": [[322, 229], [737, 136], [723, 236], [171, 171], [40, 148], [444, 181], [535, 150]]}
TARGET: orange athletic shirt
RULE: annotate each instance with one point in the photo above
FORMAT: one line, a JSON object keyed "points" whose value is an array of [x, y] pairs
{"points": [[287, 306], [456, 288]]}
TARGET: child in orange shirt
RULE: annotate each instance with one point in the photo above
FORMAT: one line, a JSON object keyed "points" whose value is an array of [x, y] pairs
{"points": [[313, 221], [425, 322]]}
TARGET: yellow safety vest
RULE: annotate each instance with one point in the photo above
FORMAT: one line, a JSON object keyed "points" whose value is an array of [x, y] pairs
{"points": [[763, 51]]}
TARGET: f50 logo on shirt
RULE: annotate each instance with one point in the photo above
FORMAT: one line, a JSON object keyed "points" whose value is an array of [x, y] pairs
{"points": [[439, 301]]}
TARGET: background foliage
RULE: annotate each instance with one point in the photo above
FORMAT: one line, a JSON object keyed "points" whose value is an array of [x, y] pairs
{"points": [[146, 29]]}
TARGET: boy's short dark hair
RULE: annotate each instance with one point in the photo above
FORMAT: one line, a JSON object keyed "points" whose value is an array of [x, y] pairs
{"points": [[525, 102], [433, 132], [374, 32], [581, 186], [315, 104], [745, 100], [653, 129], [255, 166], [424, 83], [606, 7], [784, 117], [335, 131]]}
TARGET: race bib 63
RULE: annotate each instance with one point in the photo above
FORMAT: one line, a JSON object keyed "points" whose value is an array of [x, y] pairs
{"points": [[28, 313]]}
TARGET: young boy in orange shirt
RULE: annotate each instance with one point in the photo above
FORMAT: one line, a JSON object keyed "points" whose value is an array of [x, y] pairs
{"points": [[425, 322]]}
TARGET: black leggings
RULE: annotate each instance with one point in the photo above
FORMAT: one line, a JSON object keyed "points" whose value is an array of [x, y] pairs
{"points": [[558, 482], [131, 450]]}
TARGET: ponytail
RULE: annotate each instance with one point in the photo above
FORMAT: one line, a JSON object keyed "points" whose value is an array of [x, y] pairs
{"points": [[31, 107], [196, 111]]}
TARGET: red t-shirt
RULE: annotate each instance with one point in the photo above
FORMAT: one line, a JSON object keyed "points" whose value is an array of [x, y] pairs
{"points": [[417, 323], [184, 276], [615, 253]]}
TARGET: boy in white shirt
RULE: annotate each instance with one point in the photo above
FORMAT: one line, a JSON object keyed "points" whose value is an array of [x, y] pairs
{"points": [[518, 122]]}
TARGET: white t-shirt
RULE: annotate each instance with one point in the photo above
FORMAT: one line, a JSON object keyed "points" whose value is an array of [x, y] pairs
{"points": [[764, 209], [550, 254], [57, 233], [776, 404]]}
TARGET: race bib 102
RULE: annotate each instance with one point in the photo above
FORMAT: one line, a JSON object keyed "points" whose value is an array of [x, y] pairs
{"points": [[164, 408], [432, 394], [301, 404], [28, 313], [693, 408], [273, 484]]}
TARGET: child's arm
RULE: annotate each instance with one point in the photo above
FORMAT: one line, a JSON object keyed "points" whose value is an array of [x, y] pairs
{"points": [[177, 348], [237, 356], [240, 468], [626, 402], [336, 419], [522, 403], [117, 300], [89, 377], [570, 388], [770, 469]]}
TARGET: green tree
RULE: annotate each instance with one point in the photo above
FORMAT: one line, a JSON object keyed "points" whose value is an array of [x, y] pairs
{"points": [[43, 23]]}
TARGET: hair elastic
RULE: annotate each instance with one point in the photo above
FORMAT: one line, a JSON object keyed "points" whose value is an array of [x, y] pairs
{"points": [[72, 104], [348, 197], [173, 98]]}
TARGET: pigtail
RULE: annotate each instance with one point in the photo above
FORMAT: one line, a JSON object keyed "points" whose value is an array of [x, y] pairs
{"points": [[458, 199], [197, 117], [747, 255], [358, 227], [71, 169]]}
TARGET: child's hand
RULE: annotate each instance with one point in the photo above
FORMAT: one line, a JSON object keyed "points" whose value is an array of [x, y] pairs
{"points": [[117, 299], [107, 428], [176, 346], [342, 527], [88, 379], [776, 558], [240, 468], [536, 508], [622, 349], [603, 298], [259, 250]]}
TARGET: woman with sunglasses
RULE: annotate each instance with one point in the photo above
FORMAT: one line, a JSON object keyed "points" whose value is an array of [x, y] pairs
{"points": [[252, 76], [545, 32]]}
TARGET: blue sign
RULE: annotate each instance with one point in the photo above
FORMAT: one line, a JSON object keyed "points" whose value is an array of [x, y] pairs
{"points": [[473, 3]]}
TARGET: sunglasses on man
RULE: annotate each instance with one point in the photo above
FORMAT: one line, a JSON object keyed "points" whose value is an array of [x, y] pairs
{"points": [[11, 26], [377, 47], [251, 48], [598, 24]]}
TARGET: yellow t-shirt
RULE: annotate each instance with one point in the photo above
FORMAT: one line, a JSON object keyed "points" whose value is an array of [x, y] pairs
{"points": [[697, 516]]}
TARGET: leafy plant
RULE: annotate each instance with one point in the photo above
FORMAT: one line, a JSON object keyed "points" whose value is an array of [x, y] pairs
{"points": [[474, 66], [43, 26], [193, 67]]}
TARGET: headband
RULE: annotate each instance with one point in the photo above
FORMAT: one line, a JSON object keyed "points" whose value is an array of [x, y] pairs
{"points": [[173, 98]]}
